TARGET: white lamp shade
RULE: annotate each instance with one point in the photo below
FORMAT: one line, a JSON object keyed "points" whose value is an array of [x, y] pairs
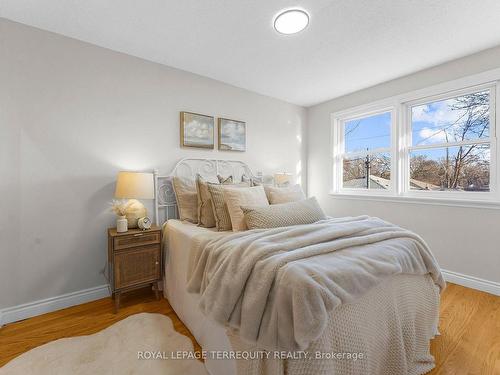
{"points": [[281, 179], [134, 185]]}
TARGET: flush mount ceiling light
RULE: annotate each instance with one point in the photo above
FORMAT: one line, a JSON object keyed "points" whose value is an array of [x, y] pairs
{"points": [[291, 21]]}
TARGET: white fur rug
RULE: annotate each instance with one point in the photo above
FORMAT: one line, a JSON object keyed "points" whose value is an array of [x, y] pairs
{"points": [[113, 350]]}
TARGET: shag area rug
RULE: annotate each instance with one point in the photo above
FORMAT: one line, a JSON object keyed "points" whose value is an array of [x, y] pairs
{"points": [[140, 344]]}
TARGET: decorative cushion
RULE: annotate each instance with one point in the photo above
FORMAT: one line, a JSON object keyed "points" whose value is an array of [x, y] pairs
{"points": [[221, 214], [187, 199], [277, 195], [306, 211], [206, 216], [235, 197], [225, 180], [251, 181]]}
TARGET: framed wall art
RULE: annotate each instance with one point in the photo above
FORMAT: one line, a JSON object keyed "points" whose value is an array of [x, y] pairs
{"points": [[197, 130], [232, 135]]}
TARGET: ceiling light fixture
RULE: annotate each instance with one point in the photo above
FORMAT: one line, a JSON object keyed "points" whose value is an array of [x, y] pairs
{"points": [[291, 21]]}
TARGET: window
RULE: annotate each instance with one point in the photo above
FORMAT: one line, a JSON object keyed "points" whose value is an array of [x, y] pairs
{"points": [[366, 155], [450, 148], [436, 146]]}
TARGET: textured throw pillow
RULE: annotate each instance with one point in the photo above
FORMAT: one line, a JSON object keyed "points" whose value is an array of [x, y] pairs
{"points": [[277, 195], [306, 211], [225, 180], [243, 196], [206, 216], [187, 199], [221, 214]]}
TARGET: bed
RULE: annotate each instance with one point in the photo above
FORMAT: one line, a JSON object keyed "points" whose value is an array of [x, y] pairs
{"points": [[387, 329]]}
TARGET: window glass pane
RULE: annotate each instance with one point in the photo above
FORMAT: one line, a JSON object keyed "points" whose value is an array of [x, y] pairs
{"points": [[368, 133], [368, 172], [463, 118], [465, 168]]}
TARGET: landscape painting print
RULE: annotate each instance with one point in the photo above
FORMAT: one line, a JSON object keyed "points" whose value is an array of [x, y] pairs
{"points": [[232, 135], [197, 130]]}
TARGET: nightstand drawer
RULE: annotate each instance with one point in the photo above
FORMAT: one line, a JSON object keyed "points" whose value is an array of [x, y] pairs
{"points": [[136, 266], [137, 239]]}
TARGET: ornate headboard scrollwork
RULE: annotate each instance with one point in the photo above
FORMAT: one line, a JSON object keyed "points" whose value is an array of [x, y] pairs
{"points": [[165, 201]]}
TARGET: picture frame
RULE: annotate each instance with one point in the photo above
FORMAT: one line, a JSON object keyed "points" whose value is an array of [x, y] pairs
{"points": [[197, 130], [232, 135]]}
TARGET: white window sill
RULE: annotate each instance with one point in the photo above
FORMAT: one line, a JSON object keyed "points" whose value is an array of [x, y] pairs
{"points": [[487, 204]]}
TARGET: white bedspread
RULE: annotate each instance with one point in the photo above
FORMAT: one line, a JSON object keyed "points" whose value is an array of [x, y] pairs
{"points": [[277, 287]]}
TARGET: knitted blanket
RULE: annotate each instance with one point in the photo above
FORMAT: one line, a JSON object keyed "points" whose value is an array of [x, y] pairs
{"points": [[278, 286]]}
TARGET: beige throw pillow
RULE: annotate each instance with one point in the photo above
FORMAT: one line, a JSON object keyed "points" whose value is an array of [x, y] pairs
{"points": [[221, 214], [242, 196], [277, 195], [206, 216], [187, 199], [306, 211]]}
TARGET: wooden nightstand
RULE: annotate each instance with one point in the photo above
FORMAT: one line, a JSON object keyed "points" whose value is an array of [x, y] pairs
{"points": [[134, 260]]}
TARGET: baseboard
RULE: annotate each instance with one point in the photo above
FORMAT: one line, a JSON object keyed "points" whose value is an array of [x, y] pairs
{"points": [[472, 282], [27, 310]]}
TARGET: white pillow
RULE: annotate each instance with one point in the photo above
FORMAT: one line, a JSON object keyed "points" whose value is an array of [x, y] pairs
{"points": [[277, 195], [237, 197]]}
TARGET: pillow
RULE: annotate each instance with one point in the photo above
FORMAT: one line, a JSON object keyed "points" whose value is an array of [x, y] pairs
{"points": [[306, 211], [206, 216], [221, 214], [277, 195], [187, 199], [250, 180], [225, 180], [243, 196]]}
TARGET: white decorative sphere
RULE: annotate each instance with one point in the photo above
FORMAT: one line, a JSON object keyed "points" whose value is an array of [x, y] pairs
{"points": [[135, 210]]}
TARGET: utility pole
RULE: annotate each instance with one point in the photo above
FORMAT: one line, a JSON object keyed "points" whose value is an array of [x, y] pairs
{"points": [[367, 168]]}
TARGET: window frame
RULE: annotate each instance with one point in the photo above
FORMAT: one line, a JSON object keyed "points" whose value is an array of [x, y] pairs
{"points": [[339, 154], [401, 143], [491, 140]]}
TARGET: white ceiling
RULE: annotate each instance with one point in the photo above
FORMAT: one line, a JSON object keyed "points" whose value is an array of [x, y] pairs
{"points": [[349, 44]]}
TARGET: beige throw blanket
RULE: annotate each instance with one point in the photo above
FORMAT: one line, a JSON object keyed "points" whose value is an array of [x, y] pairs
{"points": [[277, 287]]}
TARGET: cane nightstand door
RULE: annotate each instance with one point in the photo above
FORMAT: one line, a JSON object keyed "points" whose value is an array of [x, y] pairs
{"points": [[135, 260], [136, 266]]}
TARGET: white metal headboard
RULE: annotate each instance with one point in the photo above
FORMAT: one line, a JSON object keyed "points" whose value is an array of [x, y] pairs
{"points": [[165, 201]]}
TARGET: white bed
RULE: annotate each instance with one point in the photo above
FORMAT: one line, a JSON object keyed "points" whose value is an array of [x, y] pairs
{"points": [[391, 324]]}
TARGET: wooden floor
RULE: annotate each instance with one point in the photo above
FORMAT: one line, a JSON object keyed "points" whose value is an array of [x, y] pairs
{"points": [[469, 341]]}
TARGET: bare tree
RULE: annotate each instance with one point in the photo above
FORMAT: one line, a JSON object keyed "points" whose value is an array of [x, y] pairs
{"points": [[468, 168], [474, 123]]}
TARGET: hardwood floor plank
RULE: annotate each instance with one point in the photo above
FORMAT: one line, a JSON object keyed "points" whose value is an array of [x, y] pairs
{"points": [[469, 326], [85, 319]]}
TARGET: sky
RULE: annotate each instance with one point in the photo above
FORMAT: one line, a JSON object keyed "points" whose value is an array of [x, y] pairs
{"points": [[431, 124]]}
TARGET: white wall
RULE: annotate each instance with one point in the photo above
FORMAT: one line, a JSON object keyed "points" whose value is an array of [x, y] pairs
{"points": [[464, 240], [72, 115]]}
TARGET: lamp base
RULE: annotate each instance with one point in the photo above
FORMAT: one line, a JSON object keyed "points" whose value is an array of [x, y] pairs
{"points": [[135, 210]]}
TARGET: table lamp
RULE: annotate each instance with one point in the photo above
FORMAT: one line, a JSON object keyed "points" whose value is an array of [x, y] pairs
{"points": [[282, 179], [133, 186]]}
